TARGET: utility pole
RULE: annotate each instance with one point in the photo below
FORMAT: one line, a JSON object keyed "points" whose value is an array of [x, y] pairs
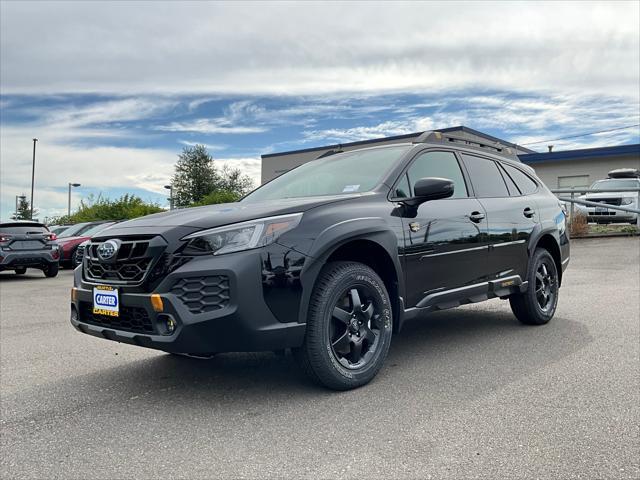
{"points": [[69, 202], [170, 188], [33, 176]]}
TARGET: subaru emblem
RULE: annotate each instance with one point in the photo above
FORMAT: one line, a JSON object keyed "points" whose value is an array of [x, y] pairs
{"points": [[108, 250]]}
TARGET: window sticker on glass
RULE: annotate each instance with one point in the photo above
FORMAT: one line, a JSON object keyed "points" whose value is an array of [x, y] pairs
{"points": [[351, 188]]}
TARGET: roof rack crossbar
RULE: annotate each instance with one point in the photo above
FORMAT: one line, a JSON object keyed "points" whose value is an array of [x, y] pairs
{"points": [[439, 137]]}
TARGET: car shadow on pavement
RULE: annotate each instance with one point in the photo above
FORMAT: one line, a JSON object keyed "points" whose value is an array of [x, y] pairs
{"points": [[463, 352]]}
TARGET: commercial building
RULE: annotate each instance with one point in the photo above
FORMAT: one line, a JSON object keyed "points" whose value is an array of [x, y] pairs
{"points": [[557, 169]]}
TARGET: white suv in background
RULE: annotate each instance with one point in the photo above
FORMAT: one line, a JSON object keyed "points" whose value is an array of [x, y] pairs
{"points": [[621, 178]]}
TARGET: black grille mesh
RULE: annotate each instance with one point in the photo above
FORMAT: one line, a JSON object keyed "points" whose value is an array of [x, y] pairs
{"points": [[130, 319], [203, 294]]}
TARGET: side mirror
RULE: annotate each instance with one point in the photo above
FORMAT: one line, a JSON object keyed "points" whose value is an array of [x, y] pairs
{"points": [[430, 188]]}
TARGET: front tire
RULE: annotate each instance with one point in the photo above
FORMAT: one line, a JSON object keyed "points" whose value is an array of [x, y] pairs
{"points": [[349, 327], [51, 270], [21, 271], [538, 304]]}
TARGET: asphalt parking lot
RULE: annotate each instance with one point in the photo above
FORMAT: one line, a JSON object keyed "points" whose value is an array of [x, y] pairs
{"points": [[465, 393]]}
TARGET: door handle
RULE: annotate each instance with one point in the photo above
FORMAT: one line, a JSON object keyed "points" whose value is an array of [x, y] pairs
{"points": [[528, 212], [476, 217]]}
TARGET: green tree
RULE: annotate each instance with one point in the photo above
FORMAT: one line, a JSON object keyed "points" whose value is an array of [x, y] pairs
{"points": [[197, 181], [24, 209], [233, 180], [218, 196], [98, 208], [195, 176]]}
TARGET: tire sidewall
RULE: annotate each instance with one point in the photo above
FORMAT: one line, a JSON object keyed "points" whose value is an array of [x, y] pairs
{"points": [[358, 275], [543, 255]]}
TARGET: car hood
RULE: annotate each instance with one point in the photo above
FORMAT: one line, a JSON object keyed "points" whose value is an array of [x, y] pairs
{"points": [[71, 239], [223, 214]]}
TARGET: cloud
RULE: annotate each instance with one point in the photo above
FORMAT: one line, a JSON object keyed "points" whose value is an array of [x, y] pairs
{"points": [[97, 168], [319, 47], [208, 146], [516, 117], [204, 125]]}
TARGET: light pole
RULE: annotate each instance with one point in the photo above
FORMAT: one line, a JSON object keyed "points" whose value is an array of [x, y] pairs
{"points": [[69, 203], [18, 198], [33, 176], [170, 188]]}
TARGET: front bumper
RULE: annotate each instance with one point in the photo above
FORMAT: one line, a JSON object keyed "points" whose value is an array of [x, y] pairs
{"points": [[244, 322], [11, 259]]}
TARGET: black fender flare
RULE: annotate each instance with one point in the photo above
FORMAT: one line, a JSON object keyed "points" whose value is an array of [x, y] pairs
{"points": [[373, 229], [541, 231]]}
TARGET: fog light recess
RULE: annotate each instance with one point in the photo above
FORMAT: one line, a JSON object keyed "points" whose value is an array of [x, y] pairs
{"points": [[166, 324]]}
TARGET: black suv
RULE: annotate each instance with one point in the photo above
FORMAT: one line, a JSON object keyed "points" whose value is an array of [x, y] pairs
{"points": [[331, 257], [27, 244]]}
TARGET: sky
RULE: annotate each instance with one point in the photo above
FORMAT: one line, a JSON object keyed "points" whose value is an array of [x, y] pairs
{"points": [[113, 91]]}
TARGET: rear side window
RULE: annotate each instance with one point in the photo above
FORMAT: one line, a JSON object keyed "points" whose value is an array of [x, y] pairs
{"points": [[438, 164], [524, 182], [485, 176], [514, 191]]}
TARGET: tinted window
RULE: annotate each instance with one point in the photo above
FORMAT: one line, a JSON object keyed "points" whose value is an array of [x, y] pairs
{"points": [[96, 228], [525, 184], [485, 176], [438, 164], [22, 229], [342, 173], [402, 188], [74, 230], [605, 184], [514, 191]]}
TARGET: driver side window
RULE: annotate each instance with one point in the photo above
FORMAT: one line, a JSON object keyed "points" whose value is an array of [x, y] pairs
{"points": [[438, 164]]}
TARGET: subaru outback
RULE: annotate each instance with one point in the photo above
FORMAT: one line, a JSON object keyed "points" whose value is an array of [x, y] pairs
{"points": [[331, 258]]}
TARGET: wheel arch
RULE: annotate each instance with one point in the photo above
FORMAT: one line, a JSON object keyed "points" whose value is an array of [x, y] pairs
{"points": [[550, 243], [375, 247]]}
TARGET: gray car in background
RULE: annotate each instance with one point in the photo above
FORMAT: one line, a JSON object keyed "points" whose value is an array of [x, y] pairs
{"points": [[26, 244]]}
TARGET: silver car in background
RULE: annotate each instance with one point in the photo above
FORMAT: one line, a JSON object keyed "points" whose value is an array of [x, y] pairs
{"points": [[617, 179]]}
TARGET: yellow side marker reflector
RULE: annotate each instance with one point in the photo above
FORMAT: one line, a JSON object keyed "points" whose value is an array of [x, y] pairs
{"points": [[74, 294], [156, 302]]}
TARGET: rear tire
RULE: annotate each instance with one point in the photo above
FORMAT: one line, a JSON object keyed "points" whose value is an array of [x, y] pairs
{"points": [[51, 270], [538, 304], [21, 271], [349, 327]]}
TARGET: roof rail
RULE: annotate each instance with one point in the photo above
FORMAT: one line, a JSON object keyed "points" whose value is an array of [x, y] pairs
{"points": [[439, 137]]}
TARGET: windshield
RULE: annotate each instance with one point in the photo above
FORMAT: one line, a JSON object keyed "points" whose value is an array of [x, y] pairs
{"points": [[615, 184], [96, 228], [73, 230], [349, 172]]}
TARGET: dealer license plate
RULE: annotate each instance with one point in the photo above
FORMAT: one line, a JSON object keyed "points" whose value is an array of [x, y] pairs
{"points": [[106, 301], [602, 209]]}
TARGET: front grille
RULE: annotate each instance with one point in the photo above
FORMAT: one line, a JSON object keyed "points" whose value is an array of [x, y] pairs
{"points": [[203, 294], [608, 201], [130, 319], [129, 271], [130, 266], [79, 255]]}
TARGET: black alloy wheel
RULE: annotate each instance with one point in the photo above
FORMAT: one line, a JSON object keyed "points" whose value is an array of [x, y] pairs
{"points": [[355, 328], [349, 327], [537, 305]]}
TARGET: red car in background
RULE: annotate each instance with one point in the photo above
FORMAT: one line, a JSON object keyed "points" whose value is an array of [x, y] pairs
{"points": [[74, 236]]}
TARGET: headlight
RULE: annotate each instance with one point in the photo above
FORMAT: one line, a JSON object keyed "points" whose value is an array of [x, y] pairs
{"points": [[240, 236], [627, 201]]}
